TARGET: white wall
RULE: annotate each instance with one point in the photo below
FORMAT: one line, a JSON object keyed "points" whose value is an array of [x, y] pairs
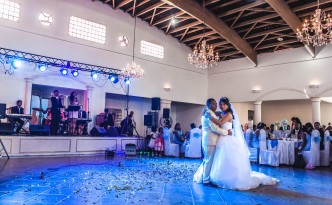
{"points": [[280, 75], [30, 36]]}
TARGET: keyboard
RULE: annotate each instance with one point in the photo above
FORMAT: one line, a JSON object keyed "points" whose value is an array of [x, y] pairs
{"points": [[13, 115]]}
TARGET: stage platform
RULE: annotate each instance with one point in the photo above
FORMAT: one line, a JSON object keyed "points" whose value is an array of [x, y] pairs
{"points": [[64, 145]]}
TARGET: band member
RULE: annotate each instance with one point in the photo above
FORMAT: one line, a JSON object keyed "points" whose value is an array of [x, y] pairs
{"points": [[55, 111], [127, 125], [109, 121], [73, 115], [17, 110]]}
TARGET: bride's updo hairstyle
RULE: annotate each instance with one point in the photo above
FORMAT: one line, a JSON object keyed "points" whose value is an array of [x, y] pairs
{"points": [[226, 101]]}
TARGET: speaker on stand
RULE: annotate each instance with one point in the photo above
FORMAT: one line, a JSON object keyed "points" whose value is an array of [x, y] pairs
{"points": [[165, 119]]}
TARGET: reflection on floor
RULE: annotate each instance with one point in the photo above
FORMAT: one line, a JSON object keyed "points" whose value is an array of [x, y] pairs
{"points": [[145, 180]]}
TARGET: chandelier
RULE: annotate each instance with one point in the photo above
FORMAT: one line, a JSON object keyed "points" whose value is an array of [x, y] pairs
{"points": [[317, 30], [132, 70], [203, 56]]}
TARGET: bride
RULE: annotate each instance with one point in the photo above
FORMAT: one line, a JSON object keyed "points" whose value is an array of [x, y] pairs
{"points": [[231, 166]]}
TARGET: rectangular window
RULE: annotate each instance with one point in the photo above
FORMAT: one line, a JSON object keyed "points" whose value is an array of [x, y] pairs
{"points": [[152, 49], [87, 30], [9, 10]]}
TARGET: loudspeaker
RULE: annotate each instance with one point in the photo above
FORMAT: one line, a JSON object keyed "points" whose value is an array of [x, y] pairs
{"points": [[166, 113], [6, 128], [98, 131], [41, 130], [155, 104], [2, 111], [148, 120]]}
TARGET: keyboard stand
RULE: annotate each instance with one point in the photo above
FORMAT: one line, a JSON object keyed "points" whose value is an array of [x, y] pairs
{"points": [[3, 148]]}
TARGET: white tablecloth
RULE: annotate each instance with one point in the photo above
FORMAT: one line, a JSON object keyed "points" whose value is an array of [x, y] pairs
{"points": [[287, 151]]}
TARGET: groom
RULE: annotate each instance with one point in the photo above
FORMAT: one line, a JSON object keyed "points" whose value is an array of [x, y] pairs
{"points": [[210, 133]]}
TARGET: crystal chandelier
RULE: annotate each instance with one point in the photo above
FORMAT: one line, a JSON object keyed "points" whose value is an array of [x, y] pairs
{"points": [[203, 55], [317, 30], [132, 70]]}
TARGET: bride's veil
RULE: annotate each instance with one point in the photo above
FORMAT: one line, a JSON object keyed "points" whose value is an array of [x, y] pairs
{"points": [[237, 130]]}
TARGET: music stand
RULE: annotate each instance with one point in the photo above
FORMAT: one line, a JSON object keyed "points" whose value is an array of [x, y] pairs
{"points": [[72, 109]]}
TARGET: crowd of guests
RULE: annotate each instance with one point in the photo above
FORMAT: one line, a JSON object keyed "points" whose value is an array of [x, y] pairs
{"points": [[257, 136], [156, 140]]}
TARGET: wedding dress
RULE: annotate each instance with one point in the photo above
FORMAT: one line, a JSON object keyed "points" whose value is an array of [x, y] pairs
{"points": [[231, 167]]}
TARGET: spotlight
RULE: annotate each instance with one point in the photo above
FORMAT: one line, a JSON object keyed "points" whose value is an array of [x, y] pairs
{"points": [[16, 63], [114, 78], [94, 75], [174, 21], [127, 81], [64, 71], [42, 67], [74, 73]]}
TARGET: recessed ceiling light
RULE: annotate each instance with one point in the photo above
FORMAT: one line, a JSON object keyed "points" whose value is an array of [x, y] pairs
{"points": [[280, 39]]}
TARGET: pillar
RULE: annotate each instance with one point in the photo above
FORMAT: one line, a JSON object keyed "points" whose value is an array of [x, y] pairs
{"points": [[88, 106], [258, 112], [315, 102], [27, 95]]}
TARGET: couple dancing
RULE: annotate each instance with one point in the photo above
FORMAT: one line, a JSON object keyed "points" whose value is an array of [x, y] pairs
{"points": [[226, 156]]}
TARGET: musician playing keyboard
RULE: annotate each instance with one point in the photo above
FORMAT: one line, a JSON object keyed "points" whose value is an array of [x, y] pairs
{"points": [[18, 109]]}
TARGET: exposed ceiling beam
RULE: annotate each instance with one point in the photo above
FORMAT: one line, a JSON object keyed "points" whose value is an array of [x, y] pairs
{"points": [[242, 8], [208, 2], [190, 25], [199, 36], [194, 9], [277, 44], [282, 8], [122, 3], [138, 5], [225, 4], [150, 8], [168, 18]]}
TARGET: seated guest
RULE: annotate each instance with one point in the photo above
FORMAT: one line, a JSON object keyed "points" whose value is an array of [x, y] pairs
{"points": [[296, 131], [278, 133], [306, 137], [17, 110], [288, 131], [249, 134], [159, 144], [178, 137], [194, 132]]}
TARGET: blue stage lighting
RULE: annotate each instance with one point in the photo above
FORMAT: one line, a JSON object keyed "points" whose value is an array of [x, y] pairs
{"points": [[16, 63], [94, 75], [114, 78], [42, 67], [74, 73], [64, 71], [127, 81]]}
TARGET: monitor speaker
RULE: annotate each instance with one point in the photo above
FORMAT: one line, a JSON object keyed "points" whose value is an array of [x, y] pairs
{"points": [[98, 131], [148, 120], [40, 130], [155, 104], [166, 113], [6, 128]]}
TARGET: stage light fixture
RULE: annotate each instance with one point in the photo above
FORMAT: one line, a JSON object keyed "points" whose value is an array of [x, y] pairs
{"points": [[16, 63], [42, 67], [127, 81], [94, 75], [74, 73], [114, 78], [64, 71]]}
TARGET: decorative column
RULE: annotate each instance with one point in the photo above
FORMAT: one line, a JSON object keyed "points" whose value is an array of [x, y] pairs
{"points": [[27, 95], [88, 107], [258, 112], [315, 102]]}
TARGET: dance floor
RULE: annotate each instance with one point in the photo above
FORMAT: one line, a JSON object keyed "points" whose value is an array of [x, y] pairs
{"points": [[145, 180]]}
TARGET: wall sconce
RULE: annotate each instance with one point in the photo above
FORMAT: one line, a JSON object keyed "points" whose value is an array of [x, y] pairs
{"points": [[167, 89], [256, 91], [313, 86]]}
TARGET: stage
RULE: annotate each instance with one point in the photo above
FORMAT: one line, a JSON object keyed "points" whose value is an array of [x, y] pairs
{"points": [[65, 145]]}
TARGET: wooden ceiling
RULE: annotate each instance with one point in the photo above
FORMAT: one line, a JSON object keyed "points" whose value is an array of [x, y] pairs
{"points": [[236, 28]]}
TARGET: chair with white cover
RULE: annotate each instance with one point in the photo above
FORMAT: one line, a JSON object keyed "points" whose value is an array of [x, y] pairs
{"points": [[312, 157], [270, 156], [249, 136], [194, 147], [325, 154], [171, 149]]}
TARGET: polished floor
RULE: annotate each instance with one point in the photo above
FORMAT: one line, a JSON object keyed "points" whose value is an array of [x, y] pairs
{"points": [[145, 180]]}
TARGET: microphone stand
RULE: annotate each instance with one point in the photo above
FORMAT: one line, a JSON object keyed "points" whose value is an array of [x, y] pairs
{"points": [[88, 108]]}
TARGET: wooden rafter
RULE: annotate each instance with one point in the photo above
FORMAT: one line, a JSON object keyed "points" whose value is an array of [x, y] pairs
{"points": [[281, 7], [259, 43], [242, 8], [134, 7], [184, 34], [237, 18], [150, 8], [179, 13], [138, 5], [190, 25], [194, 9], [276, 44], [199, 36], [157, 13], [225, 4], [122, 3]]}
